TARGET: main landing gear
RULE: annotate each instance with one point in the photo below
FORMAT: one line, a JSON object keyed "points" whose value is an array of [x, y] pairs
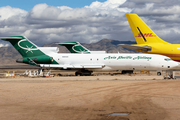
{"points": [[83, 72], [158, 73]]}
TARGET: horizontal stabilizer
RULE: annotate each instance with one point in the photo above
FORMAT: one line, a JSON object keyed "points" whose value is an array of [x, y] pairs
{"points": [[67, 43], [31, 62], [132, 47], [12, 38]]}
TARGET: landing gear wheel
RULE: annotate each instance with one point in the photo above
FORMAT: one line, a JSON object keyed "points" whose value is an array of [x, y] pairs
{"points": [[158, 73], [78, 74]]}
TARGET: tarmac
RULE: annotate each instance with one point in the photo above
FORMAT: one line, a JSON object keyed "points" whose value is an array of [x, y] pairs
{"points": [[103, 97]]}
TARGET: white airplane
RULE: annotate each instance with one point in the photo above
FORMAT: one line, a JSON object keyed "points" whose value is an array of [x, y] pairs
{"points": [[48, 57]]}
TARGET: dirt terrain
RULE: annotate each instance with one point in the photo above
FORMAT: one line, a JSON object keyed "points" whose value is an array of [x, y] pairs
{"points": [[90, 98]]}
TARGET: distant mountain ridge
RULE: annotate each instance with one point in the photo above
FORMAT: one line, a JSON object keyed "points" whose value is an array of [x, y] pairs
{"points": [[9, 55], [110, 46]]}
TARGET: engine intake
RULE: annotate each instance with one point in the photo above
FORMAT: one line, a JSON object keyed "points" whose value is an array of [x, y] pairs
{"points": [[38, 60], [44, 60]]}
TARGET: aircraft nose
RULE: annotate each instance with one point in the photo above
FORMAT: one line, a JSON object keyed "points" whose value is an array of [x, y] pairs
{"points": [[176, 65]]}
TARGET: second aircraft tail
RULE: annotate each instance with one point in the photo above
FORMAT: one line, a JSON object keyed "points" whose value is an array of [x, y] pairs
{"points": [[75, 47], [142, 33]]}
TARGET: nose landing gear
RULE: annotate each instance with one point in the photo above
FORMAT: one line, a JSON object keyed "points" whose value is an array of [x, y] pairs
{"points": [[170, 75]]}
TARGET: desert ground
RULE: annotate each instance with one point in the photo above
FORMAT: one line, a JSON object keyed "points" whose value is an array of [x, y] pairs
{"points": [[130, 97]]}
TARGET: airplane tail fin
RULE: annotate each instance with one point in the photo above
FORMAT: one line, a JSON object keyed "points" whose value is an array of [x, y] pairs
{"points": [[75, 47], [142, 33], [25, 47], [31, 54]]}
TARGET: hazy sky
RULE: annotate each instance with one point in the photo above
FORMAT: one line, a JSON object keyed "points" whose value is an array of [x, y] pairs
{"points": [[86, 21]]}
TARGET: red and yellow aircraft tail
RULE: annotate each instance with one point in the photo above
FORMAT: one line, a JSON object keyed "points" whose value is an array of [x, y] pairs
{"points": [[142, 33], [148, 41]]}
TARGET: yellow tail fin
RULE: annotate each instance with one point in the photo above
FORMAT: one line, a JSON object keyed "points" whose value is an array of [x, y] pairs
{"points": [[142, 33]]}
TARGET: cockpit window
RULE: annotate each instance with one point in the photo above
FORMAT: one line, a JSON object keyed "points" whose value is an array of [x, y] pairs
{"points": [[167, 59]]}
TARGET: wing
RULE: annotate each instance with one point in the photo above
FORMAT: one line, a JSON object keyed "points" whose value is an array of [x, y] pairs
{"points": [[68, 66], [132, 47]]}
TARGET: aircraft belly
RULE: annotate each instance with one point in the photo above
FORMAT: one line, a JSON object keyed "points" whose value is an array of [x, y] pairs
{"points": [[128, 64]]}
